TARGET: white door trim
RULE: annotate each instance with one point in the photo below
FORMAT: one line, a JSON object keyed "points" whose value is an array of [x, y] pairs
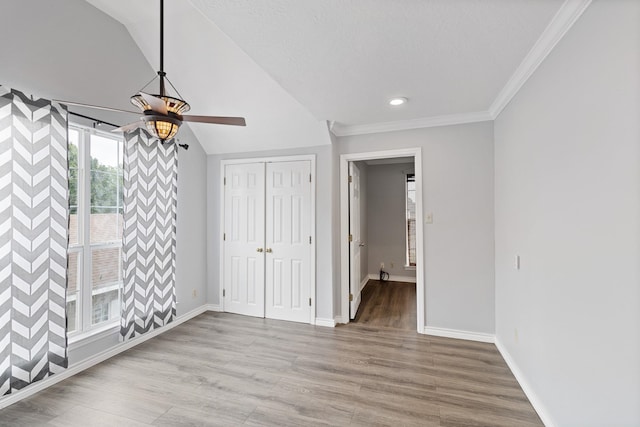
{"points": [[312, 159], [416, 153]]}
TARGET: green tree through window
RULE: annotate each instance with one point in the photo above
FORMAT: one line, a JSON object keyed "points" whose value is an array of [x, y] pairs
{"points": [[73, 179], [106, 185]]}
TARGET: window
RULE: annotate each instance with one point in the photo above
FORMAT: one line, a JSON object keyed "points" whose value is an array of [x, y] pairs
{"points": [[95, 229], [411, 220]]}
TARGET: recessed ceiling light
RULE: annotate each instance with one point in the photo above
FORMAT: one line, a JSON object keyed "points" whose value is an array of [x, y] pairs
{"points": [[397, 101]]}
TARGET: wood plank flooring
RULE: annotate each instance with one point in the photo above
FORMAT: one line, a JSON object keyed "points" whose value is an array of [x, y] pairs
{"points": [[228, 370], [389, 305]]}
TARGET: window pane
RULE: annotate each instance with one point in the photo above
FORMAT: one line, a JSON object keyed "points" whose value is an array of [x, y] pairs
{"points": [[106, 189], [106, 278], [411, 220], [74, 137], [73, 285]]}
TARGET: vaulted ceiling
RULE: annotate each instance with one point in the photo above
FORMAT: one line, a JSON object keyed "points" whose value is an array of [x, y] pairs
{"points": [[290, 66]]}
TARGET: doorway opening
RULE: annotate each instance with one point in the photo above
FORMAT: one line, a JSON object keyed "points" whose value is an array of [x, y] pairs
{"points": [[381, 211]]}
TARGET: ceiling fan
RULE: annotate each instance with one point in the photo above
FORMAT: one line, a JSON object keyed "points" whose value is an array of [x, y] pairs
{"points": [[162, 113]]}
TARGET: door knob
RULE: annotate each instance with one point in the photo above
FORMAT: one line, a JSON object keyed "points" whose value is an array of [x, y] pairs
{"points": [[259, 250], [268, 250], [361, 244]]}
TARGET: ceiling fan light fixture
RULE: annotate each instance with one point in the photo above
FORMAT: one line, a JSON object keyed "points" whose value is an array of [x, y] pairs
{"points": [[162, 127], [174, 105]]}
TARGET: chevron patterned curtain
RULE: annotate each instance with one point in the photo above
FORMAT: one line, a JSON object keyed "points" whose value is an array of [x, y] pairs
{"points": [[149, 239], [33, 239]]}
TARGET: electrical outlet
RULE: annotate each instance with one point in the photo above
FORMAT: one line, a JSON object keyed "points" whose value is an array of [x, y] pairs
{"points": [[194, 293], [382, 265], [515, 334]]}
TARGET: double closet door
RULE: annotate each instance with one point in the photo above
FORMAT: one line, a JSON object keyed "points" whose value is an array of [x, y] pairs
{"points": [[267, 240]]}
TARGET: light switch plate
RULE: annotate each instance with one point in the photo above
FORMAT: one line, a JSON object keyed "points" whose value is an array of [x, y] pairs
{"points": [[429, 218]]}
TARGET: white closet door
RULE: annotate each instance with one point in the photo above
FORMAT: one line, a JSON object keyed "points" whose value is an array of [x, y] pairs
{"points": [[288, 231], [244, 239]]}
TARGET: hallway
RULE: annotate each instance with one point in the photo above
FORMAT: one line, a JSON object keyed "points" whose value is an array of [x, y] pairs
{"points": [[389, 305]]}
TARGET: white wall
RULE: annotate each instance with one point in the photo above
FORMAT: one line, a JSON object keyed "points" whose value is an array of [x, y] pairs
{"points": [[457, 164], [387, 219], [567, 161], [324, 221], [70, 50]]}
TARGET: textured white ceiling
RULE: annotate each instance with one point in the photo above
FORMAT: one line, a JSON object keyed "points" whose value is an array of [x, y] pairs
{"points": [[343, 59], [289, 65]]}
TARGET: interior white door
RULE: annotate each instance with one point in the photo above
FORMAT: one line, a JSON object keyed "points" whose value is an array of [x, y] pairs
{"points": [[356, 240], [288, 241], [244, 239]]}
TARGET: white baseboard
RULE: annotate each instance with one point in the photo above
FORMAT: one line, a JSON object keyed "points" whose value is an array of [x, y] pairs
{"points": [[458, 334], [94, 360], [213, 307], [406, 279], [536, 402], [329, 323], [339, 320]]}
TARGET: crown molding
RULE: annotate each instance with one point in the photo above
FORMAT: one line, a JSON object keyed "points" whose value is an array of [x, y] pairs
{"points": [[563, 20], [451, 119]]}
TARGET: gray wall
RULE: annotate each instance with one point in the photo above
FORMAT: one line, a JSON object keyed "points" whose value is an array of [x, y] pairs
{"points": [[567, 163], [457, 165], [324, 223], [387, 219], [70, 50]]}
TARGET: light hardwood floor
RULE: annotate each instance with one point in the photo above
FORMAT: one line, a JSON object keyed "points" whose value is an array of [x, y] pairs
{"points": [[388, 304], [224, 369]]}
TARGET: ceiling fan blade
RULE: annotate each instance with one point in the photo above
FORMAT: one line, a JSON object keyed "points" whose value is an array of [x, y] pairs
{"points": [[157, 104], [95, 107], [234, 121], [129, 127]]}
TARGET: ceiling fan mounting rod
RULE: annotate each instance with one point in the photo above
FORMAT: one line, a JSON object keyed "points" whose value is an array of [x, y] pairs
{"points": [[161, 73]]}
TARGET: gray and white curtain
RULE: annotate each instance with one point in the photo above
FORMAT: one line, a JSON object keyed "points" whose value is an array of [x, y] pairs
{"points": [[149, 239], [33, 239]]}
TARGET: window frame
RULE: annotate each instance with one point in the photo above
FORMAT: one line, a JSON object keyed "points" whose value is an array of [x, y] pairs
{"points": [[409, 177], [84, 247]]}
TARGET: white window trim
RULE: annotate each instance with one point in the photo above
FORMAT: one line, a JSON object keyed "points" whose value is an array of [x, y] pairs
{"points": [[88, 333]]}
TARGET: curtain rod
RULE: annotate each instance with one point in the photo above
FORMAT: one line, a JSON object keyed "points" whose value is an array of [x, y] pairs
{"points": [[98, 121], [93, 119]]}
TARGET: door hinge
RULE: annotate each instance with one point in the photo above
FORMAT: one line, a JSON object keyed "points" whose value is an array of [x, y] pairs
{"points": [[309, 302], [224, 236], [350, 297], [224, 292], [309, 239], [225, 181], [350, 238], [350, 179], [309, 177]]}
